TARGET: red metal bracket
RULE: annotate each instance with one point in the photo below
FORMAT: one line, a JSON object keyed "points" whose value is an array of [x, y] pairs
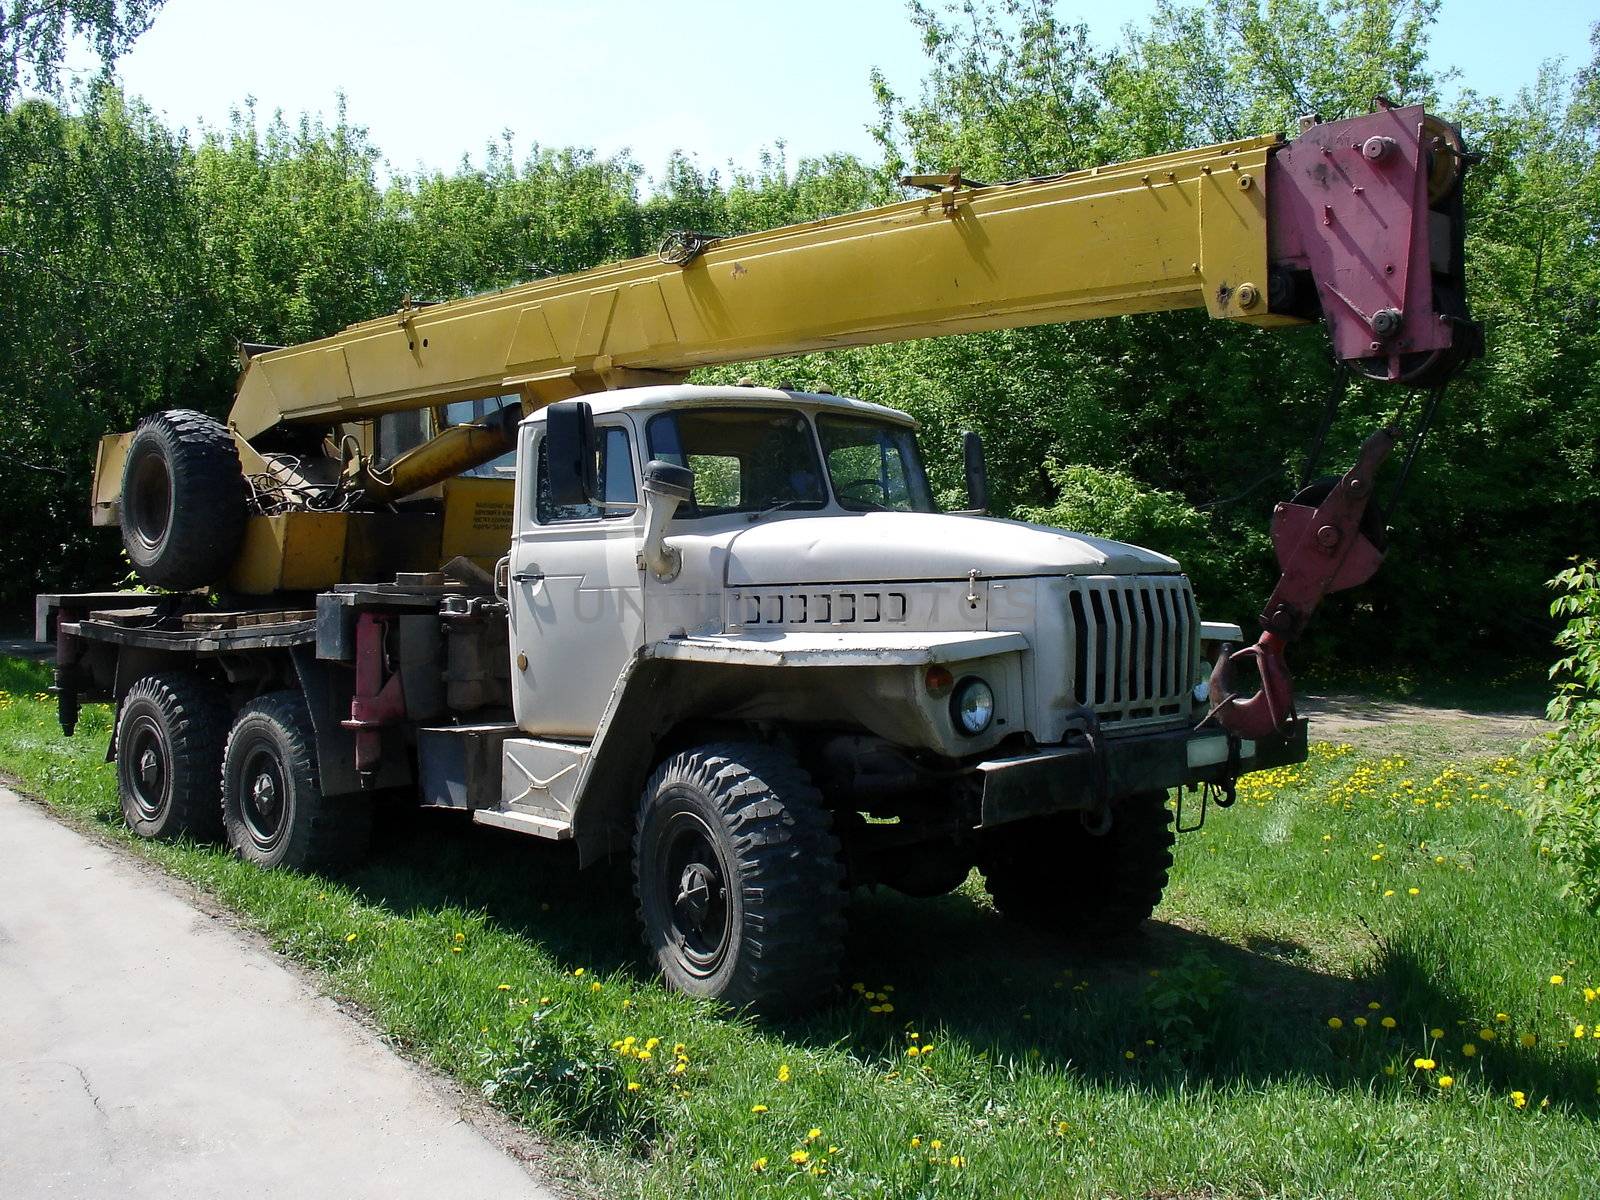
{"points": [[379, 699], [1320, 550]]}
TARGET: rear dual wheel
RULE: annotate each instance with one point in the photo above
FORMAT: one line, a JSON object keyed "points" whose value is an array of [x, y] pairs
{"points": [[272, 801], [170, 732]]}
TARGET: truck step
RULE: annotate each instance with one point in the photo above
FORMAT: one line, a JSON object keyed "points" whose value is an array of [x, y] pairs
{"points": [[554, 828]]}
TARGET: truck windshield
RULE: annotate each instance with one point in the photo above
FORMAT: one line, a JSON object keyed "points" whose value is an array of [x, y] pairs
{"points": [[743, 459], [874, 466]]}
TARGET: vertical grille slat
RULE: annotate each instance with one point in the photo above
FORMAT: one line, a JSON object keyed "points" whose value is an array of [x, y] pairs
{"points": [[1133, 639]]}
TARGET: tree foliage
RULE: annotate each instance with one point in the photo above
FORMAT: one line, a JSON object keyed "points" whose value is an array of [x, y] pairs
{"points": [[134, 259], [1566, 809], [35, 34]]}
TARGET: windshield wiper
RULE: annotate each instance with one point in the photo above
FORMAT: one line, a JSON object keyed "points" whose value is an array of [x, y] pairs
{"points": [[756, 516]]}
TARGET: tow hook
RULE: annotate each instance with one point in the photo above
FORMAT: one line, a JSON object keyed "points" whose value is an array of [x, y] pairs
{"points": [[1264, 713]]}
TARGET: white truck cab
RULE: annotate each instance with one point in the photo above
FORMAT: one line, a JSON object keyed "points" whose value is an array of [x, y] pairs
{"points": [[708, 586]]}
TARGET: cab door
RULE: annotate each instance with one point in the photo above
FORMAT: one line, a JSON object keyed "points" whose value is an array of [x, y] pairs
{"points": [[574, 588]]}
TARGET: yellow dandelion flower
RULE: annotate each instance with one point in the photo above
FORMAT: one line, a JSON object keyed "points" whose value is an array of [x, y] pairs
{"points": [[1413, 891], [928, 1049], [957, 1160], [1447, 1081], [758, 1109], [915, 1142], [1335, 1023], [643, 1055], [1128, 1054], [1436, 1033], [1529, 1040], [1423, 1064], [912, 1051], [799, 1157], [1578, 1031], [1487, 1034], [1388, 1069], [1061, 1128], [1360, 1022], [634, 1085], [461, 937], [1519, 1100], [759, 1165], [455, 949], [502, 987], [1556, 981], [936, 1144], [1469, 1050], [349, 937], [652, 1043], [1374, 1005], [679, 1048], [813, 1134], [578, 974], [1502, 1018], [783, 1072], [1388, 892]]}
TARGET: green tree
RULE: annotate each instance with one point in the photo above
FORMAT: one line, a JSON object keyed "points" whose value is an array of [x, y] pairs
{"points": [[34, 36]]}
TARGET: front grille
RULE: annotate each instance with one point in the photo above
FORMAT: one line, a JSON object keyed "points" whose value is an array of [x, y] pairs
{"points": [[1133, 646]]}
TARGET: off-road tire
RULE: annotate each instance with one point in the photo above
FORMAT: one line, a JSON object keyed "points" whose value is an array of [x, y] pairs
{"points": [[755, 813], [1052, 873], [170, 732], [184, 500], [272, 803]]}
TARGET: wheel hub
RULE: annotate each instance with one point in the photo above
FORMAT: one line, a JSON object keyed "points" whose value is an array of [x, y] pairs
{"points": [[264, 794], [698, 890], [149, 767]]}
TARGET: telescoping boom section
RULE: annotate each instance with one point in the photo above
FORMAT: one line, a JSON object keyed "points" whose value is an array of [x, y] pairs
{"points": [[1356, 222]]}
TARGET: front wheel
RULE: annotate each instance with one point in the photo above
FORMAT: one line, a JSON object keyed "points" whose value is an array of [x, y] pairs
{"points": [[737, 873], [272, 801], [1051, 872]]}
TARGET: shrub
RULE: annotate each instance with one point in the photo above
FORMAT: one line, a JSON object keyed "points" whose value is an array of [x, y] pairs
{"points": [[1566, 808]]}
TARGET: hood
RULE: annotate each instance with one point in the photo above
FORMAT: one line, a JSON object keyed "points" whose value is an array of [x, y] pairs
{"points": [[904, 546]]}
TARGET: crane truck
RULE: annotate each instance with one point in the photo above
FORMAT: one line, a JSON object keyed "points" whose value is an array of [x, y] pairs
{"points": [[496, 555]]}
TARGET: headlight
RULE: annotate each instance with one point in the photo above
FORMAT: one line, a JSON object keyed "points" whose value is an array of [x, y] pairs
{"points": [[972, 706]]}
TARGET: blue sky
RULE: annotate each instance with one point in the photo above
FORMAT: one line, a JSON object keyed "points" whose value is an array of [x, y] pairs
{"points": [[719, 78]]}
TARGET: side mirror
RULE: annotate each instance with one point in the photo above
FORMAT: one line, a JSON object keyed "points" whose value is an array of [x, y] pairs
{"points": [[977, 473], [570, 447]]}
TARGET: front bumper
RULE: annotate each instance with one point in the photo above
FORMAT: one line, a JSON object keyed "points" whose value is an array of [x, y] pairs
{"points": [[1063, 778]]}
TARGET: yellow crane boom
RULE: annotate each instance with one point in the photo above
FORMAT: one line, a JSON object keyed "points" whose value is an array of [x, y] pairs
{"points": [[1180, 230], [1356, 223]]}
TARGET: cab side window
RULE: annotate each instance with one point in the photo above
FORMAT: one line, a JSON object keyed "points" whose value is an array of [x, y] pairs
{"points": [[614, 471]]}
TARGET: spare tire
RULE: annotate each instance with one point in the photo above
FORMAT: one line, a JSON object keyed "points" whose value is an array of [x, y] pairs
{"points": [[184, 500]]}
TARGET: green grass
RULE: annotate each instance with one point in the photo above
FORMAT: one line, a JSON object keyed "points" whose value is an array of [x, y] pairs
{"points": [[465, 944]]}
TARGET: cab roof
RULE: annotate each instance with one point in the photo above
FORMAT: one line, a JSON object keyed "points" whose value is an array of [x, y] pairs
{"points": [[651, 399]]}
